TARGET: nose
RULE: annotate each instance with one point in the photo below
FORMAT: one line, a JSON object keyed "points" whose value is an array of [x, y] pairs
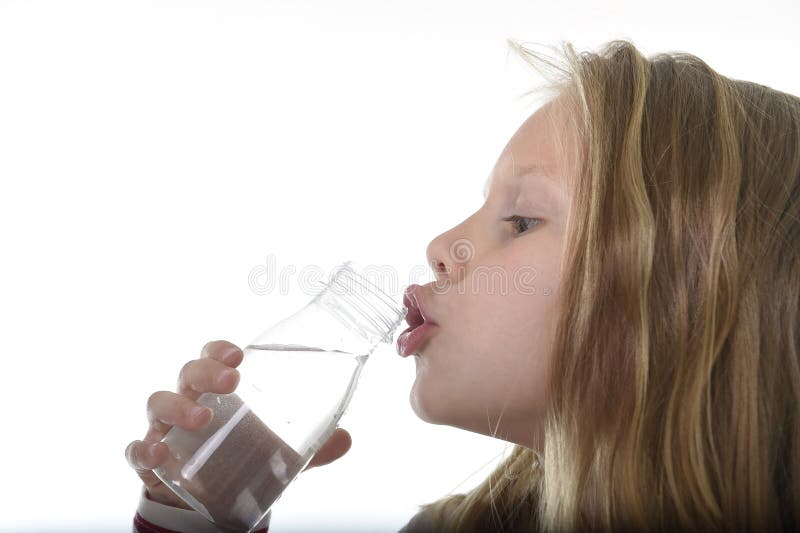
{"points": [[449, 253]]}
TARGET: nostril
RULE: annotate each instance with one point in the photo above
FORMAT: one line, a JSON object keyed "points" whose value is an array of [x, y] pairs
{"points": [[438, 267]]}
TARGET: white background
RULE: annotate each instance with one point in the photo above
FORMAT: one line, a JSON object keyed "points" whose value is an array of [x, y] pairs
{"points": [[152, 153]]}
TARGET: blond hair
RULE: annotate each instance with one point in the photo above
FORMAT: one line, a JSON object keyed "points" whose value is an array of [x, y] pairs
{"points": [[675, 390]]}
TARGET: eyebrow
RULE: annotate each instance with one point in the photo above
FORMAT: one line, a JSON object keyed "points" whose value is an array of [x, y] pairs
{"points": [[528, 171]]}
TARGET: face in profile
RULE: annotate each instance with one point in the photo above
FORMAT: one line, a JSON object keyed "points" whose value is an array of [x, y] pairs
{"points": [[485, 365]]}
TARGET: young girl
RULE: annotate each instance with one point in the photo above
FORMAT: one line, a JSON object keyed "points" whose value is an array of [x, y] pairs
{"points": [[623, 308]]}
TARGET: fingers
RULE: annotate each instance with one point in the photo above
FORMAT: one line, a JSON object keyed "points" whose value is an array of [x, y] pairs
{"points": [[206, 375], [222, 351], [144, 457], [166, 409], [213, 372], [336, 446]]}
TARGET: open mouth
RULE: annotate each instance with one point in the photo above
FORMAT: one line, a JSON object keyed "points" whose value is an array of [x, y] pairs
{"points": [[418, 327], [414, 317]]}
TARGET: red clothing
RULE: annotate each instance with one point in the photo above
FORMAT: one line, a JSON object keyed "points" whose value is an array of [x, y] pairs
{"points": [[154, 517]]}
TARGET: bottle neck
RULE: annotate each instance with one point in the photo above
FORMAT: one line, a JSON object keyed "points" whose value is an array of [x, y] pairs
{"points": [[361, 306]]}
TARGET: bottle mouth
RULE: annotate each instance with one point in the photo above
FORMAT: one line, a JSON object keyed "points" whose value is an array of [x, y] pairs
{"points": [[378, 312]]}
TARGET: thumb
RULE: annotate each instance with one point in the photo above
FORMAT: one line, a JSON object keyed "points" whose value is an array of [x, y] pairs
{"points": [[335, 447]]}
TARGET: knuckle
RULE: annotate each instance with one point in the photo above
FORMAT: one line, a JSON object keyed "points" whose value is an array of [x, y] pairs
{"points": [[161, 427], [208, 348], [131, 454], [185, 370], [157, 407], [203, 379], [153, 399]]}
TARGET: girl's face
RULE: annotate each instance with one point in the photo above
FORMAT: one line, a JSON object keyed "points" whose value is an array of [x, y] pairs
{"points": [[484, 367]]}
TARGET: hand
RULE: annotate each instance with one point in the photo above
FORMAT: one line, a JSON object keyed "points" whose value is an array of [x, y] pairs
{"points": [[215, 371]]}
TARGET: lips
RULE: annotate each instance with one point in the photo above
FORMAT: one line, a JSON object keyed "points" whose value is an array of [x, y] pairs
{"points": [[419, 323]]}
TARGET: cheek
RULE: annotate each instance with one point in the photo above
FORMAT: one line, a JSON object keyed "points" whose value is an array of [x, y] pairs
{"points": [[495, 357], [489, 325], [493, 350]]}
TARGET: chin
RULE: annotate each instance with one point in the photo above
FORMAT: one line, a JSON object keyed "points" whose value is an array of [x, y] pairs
{"points": [[429, 406], [418, 406], [426, 406]]}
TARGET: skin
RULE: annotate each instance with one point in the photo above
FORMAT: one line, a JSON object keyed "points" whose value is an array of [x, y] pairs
{"points": [[486, 365], [214, 371]]}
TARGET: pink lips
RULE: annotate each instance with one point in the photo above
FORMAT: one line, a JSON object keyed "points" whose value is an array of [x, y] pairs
{"points": [[420, 325]]}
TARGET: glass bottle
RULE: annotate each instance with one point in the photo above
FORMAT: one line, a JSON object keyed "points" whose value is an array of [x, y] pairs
{"points": [[296, 380]]}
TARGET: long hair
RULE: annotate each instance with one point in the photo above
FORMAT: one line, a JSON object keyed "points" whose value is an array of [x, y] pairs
{"points": [[675, 387]]}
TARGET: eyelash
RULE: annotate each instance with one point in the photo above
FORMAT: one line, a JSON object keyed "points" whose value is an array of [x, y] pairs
{"points": [[516, 219]]}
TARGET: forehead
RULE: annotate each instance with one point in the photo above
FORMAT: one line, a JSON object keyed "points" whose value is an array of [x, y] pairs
{"points": [[541, 154], [534, 176]]}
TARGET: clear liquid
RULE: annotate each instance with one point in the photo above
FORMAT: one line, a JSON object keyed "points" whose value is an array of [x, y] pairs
{"points": [[258, 441]]}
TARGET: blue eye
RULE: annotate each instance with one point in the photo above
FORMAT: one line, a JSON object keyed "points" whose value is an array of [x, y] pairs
{"points": [[522, 224]]}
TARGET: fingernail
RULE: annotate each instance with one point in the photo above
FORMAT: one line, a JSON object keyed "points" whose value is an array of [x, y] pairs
{"points": [[229, 356], [225, 375], [151, 450], [198, 412]]}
